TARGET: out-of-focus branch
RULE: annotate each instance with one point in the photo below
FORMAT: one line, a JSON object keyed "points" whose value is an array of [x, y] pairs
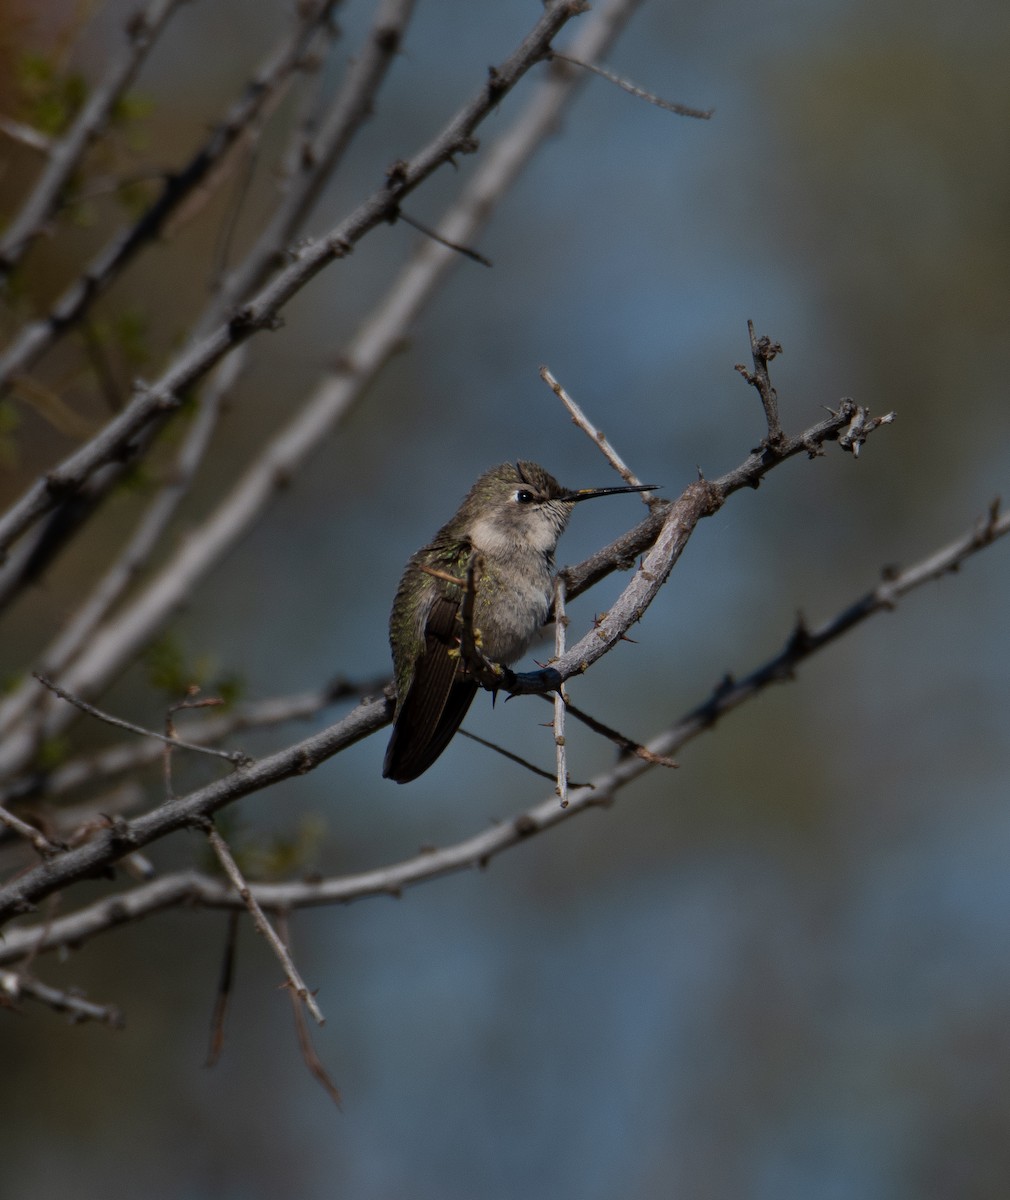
{"points": [[261, 91], [118, 760], [153, 404], [313, 157], [112, 645], [677, 521], [17, 131], [235, 757], [14, 986], [263, 926], [65, 153], [316, 157], [23, 829], [195, 888], [134, 556], [22, 893]]}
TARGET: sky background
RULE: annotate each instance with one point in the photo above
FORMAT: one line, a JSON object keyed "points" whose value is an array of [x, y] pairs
{"points": [[779, 972]]}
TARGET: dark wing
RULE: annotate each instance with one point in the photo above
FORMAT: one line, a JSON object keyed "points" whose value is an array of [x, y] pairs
{"points": [[436, 701]]}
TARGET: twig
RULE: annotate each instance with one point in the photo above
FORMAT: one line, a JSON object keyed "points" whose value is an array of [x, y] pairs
{"points": [[861, 427], [622, 553], [236, 757], [381, 333], [74, 824], [22, 893], [103, 597], [223, 994], [14, 985], [560, 699], [625, 744], [679, 519], [191, 887], [579, 418], [132, 755], [763, 350], [682, 110], [516, 758], [263, 926], [153, 403], [433, 233], [191, 701], [41, 843], [309, 1056], [101, 272], [675, 523], [317, 156]]}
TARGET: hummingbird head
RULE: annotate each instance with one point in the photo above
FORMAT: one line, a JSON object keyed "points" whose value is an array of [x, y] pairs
{"points": [[519, 506]]}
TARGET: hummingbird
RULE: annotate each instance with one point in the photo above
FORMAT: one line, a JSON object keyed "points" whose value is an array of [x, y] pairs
{"points": [[512, 517]]}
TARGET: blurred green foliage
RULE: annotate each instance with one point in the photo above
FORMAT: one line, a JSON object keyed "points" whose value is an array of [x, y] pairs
{"points": [[50, 98]]}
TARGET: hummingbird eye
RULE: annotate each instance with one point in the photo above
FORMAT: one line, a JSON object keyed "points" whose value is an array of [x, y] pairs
{"points": [[522, 496]]}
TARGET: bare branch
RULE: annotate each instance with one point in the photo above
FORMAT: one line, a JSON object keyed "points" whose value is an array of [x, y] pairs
{"points": [[191, 887], [41, 843], [224, 984], [560, 699], [309, 1056], [763, 350], [89, 615], [14, 985], [263, 926], [113, 645], [133, 755], [466, 251], [516, 758], [317, 156], [676, 522], [682, 110], [154, 403], [579, 418], [236, 757], [625, 744], [124, 837], [37, 336], [17, 131], [861, 426], [622, 553]]}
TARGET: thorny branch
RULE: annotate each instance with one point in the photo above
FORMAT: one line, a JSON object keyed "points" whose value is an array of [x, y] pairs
{"points": [[597, 436], [154, 403], [194, 888], [682, 110], [236, 757], [666, 531], [263, 926], [316, 155], [126, 757], [763, 350], [560, 699], [14, 985], [661, 537], [115, 643], [291, 56]]}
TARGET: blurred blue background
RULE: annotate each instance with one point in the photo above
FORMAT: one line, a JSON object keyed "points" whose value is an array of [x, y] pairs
{"points": [[779, 972]]}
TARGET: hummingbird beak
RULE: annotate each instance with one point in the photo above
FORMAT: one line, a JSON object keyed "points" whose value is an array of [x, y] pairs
{"points": [[589, 493]]}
